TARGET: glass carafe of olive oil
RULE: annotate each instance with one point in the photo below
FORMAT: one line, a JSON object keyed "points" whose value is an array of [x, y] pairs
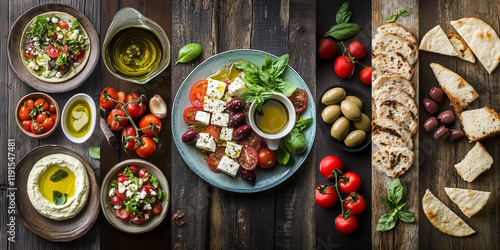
{"points": [[136, 48]]}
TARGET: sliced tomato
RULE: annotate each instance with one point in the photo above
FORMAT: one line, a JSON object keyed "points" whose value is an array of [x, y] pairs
{"points": [[28, 54], [78, 57], [190, 114], [212, 163], [200, 85], [253, 140], [299, 99], [214, 131], [54, 37], [157, 208], [63, 25], [122, 214], [138, 219], [121, 196], [52, 51], [197, 96], [248, 158]]}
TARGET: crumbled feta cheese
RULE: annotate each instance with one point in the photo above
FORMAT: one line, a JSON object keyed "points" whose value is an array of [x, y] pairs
{"points": [[129, 193], [36, 44], [227, 97], [125, 183], [76, 64], [74, 35], [58, 29], [132, 187], [45, 73], [228, 166], [112, 192], [143, 194], [202, 117], [214, 105], [237, 87], [233, 150], [206, 142], [226, 134], [137, 198], [153, 193], [147, 206], [146, 216], [242, 75], [48, 19], [33, 65], [215, 89], [55, 20], [35, 39], [58, 75], [117, 207], [121, 188], [140, 181], [220, 119], [59, 37], [70, 24]]}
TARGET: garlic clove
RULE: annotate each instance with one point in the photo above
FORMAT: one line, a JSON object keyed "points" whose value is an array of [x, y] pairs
{"points": [[158, 107]]}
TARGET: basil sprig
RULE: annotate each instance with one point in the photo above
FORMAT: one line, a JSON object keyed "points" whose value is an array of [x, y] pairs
{"points": [[393, 18], [58, 175], [343, 29], [396, 195], [95, 152], [189, 52], [59, 198]]}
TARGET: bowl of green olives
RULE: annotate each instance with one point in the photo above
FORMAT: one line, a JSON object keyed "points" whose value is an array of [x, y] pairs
{"points": [[345, 117]]}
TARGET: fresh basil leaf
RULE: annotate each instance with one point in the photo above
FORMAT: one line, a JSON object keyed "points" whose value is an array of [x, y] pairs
{"points": [[343, 31], [391, 18], [394, 191], [95, 152], [58, 175], [406, 216], [267, 63], [251, 71], [285, 88], [344, 14], [387, 203], [400, 206], [267, 80], [59, 198], [386, 222], [403, 13], [154, 181], [302, 123], [282, 155], [189, 52], [279, 65]]}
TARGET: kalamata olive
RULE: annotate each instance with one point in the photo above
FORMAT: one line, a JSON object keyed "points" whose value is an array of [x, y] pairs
{"points": [[437, 94], [446, 117], [430, 105], [350, 110], [455, 134], [431, 124], [235, 105], [441, 132], [190, 136], [248, 175], [242, 132], [333, 96], [236, 119]]}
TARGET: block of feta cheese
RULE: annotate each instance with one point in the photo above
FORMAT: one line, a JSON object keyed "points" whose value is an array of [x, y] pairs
{"points": [[226, 134], [220, 119], [228, 166], [237, 87], [202, 117], [233, 150], [214, 105], [206, 142], [216, 89]]}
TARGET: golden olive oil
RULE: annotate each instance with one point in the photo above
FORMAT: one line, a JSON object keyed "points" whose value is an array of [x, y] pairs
{"points": [[226, 74], [134, 53], [78, 119], [273, 118], [65, 186]]}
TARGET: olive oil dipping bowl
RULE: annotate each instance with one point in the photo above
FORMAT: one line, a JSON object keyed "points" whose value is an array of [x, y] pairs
{"points": [[84, 133], [273, 138]]}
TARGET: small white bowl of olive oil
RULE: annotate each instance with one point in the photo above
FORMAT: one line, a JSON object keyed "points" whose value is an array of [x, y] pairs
{"points": [[274, 121], [78, 118]]}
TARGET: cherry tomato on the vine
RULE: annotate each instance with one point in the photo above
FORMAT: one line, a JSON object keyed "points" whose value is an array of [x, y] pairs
{"points": [[365, 76], [137, 108], [328, 164], [129, 144], [347, 226], [146, 121], [147, 148], [349, 182], [106, 103], [355, 203], [116, 123], [326, 49], [357, 50], [326, 196], [344, 66]]}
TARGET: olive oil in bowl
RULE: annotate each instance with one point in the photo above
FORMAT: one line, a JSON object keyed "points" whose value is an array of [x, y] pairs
{"points": [[273, 117], [134, 53], [79, 119]]}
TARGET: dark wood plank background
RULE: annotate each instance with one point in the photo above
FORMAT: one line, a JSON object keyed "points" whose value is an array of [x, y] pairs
{"points": [[437, 158], [282, 217], [327, 236], [12, 90]]}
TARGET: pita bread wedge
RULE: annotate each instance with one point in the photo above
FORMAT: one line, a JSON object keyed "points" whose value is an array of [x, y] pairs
{"points": [[393, 161], [399, 82], [399, 30], [389, 42], [475, 162], [461, 48], [388, 64], [468, 200], [482, 39], [442, 218], [435, 40]]}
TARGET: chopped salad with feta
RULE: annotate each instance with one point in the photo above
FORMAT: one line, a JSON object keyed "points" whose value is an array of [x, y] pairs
{"points": [[53, 47], [136, 195]]}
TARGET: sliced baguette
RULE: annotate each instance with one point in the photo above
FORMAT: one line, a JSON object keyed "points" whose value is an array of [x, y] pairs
{"points": [[399, 82], [389, 42], [387, 133], [461, 48], [400, 30], [393, 103], [456, 88], [475, 162], [393, 161], [435, 40], [387, 64], [469, 201], [480, 123]]}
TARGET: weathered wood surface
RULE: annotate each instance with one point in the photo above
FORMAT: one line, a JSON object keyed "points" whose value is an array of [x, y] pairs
{"points": [[12, 90], [282, 217], [438, 158], [111, 238], [405, 235]]}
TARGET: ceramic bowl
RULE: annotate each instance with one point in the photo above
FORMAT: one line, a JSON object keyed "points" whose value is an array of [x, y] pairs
{"points": [[35, 96], [93, 117]]}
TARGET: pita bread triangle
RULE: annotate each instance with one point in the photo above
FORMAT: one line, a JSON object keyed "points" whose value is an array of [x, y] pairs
{"points": [[468, 200], [435, 40]]}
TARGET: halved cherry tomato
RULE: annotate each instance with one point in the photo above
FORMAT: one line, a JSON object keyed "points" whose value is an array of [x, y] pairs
{"points": [[190, 115], [253, 140], [138, 219], [148, 120], [137, 108], [63, 25], [121, 98], [299, 99], [108, 92], [28, 53], [27, 125], [347, 226], [202, 84], [116, 201], [214, 131], [129, 144], [212, 163], [116, 123], [248, 158], [42, 103], [54, 37], [147, 148], [355, 203], [196, 97], [133, 168], [267, 158], [65, 49], [121, 196], [41, 117], [123, 214], [52, 51], [157, 208], [47, 124]]}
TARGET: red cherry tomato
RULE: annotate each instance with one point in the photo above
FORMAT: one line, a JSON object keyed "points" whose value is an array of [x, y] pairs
{"points": [[344, 67], [146, 189], [42, 104], [116, 201], [355, 203], [52, 51], [197, 96], [24, 113], [253, 140], [299, 100], [122, 179], [114, 120], [248, 158], [142, 172], [132, 168], [350, 182], [63, 25], [41, 117], [47, 124], [136, 109], [157, 208], [31, 104], [123, 214], [326, 49], [106, 103], [357, 50], [347, 226], [28, 53], [267, 158], [129, 144], [326, 196], [212, 163], [365, 76], [190, 115], [328, 164], [121, 98], [52, 109], [214, 131], [121, 196], [147, 120], [27, 125], [36, 128], [147, 148], [138, 219]]}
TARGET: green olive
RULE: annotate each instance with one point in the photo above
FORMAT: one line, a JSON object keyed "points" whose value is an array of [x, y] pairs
{"points": [[333, 96], [350, 110], [340, 128], [355, 100], [355, 138], [363, 124], [331, 113]]}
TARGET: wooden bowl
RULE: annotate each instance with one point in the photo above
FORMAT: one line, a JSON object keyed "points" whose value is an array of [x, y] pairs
{"points": [[34, 97], [65, 230], [17, 64], [107, 207]]}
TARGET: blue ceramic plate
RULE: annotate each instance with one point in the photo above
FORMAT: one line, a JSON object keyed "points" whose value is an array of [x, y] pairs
{"points": [[266, 178]]}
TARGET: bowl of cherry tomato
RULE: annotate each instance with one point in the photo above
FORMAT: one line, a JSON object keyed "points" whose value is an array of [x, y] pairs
{"points": [[37, 115]]}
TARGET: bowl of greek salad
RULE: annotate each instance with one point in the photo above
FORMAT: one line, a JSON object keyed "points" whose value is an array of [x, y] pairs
{"points": [[211, 127]]}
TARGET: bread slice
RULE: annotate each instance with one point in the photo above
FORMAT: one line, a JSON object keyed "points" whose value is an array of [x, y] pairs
{"points": [[393, 103], [393, 161], [456, 88], [475, 162], [387, 133], [442, 218], [399, 82], [389, 42], [461, 48], [400, 30], [387, 64], [480, 123], [469, 201], [435, 40]]}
